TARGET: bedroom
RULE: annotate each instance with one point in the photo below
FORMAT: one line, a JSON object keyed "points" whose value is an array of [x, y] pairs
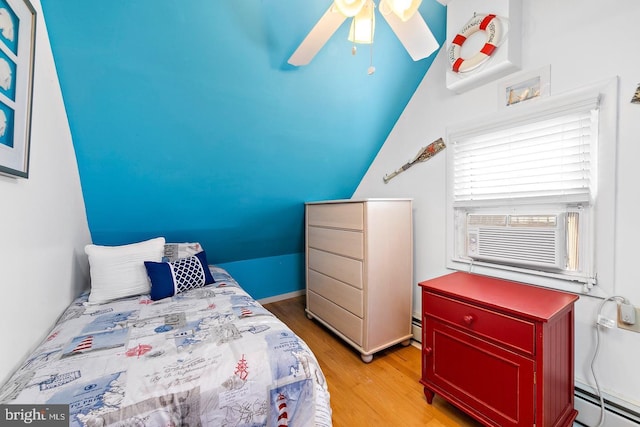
{"points": [[241, 203]]}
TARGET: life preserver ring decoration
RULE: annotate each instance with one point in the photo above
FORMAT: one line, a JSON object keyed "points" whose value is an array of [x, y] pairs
{"points": [[491, 25]]}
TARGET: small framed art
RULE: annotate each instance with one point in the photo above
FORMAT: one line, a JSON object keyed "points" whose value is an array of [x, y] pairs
{"points": [[17, 48], [524, 87], [635, 99]]}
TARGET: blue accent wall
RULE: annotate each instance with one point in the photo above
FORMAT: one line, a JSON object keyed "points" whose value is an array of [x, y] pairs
{"points": [[188, 122]]}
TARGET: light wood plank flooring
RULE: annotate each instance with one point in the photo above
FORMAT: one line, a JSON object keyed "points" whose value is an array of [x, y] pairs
{"points": [[385, 392]]}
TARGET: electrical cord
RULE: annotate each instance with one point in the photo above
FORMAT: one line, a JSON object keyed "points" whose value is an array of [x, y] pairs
{"points": [[597, 350]]}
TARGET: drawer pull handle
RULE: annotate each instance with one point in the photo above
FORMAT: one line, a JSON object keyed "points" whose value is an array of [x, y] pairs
{"points": [[468, 319], [427, 351]]}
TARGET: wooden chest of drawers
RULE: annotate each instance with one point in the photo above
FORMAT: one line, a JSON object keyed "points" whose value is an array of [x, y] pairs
{"points": [[359, 270], [500, 351]]}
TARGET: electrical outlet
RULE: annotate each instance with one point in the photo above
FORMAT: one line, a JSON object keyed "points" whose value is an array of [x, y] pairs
{"points": [[628, 314], [623, 325]]}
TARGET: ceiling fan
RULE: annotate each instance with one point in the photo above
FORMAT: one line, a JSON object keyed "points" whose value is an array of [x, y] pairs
{"points": [[402, 16]]}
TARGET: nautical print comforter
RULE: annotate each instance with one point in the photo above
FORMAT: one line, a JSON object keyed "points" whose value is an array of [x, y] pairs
{"points": [[211, 356]]}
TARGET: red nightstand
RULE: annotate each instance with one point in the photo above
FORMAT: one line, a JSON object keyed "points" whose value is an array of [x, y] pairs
{"points": [[501, 351]]}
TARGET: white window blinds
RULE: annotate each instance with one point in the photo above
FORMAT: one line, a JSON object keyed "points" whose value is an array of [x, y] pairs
{"points": [[550, 157]]}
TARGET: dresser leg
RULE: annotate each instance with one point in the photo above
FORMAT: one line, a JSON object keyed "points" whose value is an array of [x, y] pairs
{"points": [[429, 395], [366, 358]]}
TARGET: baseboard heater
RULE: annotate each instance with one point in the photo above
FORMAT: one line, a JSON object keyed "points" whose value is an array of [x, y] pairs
{"points": [[585, 400], [416, 329], [624, 416]]}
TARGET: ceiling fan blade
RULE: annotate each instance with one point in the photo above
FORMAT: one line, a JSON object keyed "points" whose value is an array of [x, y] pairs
{"points": [[414, 34], [317, 37]]}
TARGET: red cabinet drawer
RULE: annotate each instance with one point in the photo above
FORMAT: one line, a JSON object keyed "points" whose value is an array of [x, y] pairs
{"points": [[506, 330]]}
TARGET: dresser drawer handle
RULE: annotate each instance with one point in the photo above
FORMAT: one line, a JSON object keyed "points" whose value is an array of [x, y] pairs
{"points": [[427, 351], [468, 319]]}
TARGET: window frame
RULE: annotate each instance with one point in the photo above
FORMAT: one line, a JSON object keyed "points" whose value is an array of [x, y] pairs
{"points": [[596, 219]]}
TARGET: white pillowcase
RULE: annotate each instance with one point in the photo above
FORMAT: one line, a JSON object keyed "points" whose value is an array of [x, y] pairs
{"points": [[118, 271]]}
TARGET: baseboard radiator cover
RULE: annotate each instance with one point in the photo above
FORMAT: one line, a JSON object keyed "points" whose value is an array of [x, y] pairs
{"points": [[416, 329], [617, 414]]}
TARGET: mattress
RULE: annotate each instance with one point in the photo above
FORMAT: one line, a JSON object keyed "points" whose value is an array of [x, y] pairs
{"points": [[210, 356]]}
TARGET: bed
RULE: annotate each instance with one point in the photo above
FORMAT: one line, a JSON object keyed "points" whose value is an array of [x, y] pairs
{"points": [[208, 355]]}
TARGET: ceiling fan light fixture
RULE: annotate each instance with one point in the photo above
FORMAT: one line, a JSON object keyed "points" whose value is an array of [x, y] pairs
{"points": [[349, 8], [403, 9], [403, 17], [363, 24]]}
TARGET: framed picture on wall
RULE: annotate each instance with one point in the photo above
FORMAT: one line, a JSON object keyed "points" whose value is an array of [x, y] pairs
{"points": [[524, 86], [17, 46]]}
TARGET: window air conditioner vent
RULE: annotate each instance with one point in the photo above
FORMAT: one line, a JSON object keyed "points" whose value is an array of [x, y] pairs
{"points": [[531, 240]]}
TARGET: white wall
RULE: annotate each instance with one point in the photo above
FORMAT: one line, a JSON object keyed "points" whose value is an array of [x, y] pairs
{"points": [[43, 225], [585, 42]]}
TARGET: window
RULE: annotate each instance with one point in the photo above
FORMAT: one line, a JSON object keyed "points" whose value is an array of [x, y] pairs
{"points": [[546, 160], [523, 191]]}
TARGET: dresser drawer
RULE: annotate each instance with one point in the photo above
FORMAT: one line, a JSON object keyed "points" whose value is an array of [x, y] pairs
{"points": [[339, 318], [347, 270], [344, 295], [342, 242], [509, 331], [343, 215]]}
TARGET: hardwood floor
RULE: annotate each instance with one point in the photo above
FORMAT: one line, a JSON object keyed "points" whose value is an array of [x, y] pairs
{"points": [[385, 392]]}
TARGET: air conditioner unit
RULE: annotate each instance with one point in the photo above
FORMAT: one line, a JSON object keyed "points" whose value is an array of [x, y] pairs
{"points": [[527, 240]]}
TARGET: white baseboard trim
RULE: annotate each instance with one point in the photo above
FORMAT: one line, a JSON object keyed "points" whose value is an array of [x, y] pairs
{"points": [[281, 297]]}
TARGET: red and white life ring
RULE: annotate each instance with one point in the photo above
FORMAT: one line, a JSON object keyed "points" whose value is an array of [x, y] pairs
{"points": [[490, 24]]}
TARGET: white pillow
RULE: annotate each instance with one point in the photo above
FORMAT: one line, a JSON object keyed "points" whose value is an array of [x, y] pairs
{"points": [[118, 271]]}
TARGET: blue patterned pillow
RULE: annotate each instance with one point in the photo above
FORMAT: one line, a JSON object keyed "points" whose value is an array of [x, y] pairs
{"points": [[171, 278]]}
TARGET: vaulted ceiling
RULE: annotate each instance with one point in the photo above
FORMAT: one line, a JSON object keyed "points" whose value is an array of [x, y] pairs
{"points": [[188, 122]]}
